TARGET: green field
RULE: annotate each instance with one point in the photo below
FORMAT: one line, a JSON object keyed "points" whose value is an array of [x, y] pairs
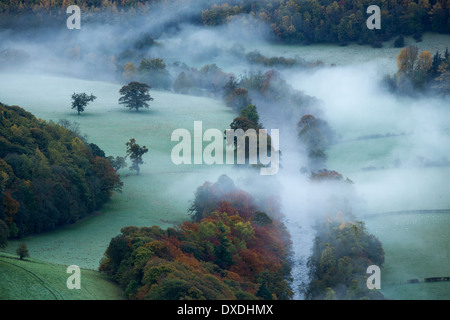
{"points": [[160, 196], [31, 279]]}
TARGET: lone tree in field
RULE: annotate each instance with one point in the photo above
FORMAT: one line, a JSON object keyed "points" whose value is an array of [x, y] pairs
{"points": [[135, 152], [22, 251], [135, 95], [80, 101]]}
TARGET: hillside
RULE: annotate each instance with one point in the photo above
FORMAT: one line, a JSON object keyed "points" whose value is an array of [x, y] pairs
{"points": [[32, 279]]}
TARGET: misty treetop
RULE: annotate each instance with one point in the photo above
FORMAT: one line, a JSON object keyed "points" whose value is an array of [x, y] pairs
{"points": [[135, 95], [48, 176], [290, 21], [342, 251], [312, 21], [135, 152]]}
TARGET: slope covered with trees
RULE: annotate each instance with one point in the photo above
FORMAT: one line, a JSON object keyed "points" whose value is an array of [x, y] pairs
{"points": [[312, 21], [48, 175], [290, 21]]}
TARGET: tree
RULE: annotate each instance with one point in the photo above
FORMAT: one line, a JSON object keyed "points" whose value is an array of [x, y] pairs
{"points": [[154, 73], [80, 101], [22, 251], [399, 42], [135, 95], [251, 113], [238, 99], [4, 234], [129, 71], [425, 61], [316, 135], [135, 152], [443, 80]]}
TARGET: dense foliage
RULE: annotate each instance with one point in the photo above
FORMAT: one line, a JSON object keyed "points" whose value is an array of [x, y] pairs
{"points": [[316, 135], [296, 21], [343, 249], [231, 250], [48, 176]]}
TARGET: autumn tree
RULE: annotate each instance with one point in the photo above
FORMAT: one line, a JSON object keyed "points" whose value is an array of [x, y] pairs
{"points": [[248, 122], [422, 70], [48, 176], [223, 254], [81, 100], [129, 71], [424, 62], [135, 152], [251, 113], [117, 162], [229, 86], [4, 234], [342, 250], [135, 95], [238, 99], [22, 250]]}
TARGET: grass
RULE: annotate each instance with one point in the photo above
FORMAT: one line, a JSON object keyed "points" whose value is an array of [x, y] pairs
{"points": [[31, 279]]}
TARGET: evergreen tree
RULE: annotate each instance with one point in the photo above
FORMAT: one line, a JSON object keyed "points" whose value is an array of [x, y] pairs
{"points": [[22, 251]]}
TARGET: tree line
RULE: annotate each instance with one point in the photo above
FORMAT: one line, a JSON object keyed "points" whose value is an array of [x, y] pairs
{"points": [[420, 72], [230, 250]]}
